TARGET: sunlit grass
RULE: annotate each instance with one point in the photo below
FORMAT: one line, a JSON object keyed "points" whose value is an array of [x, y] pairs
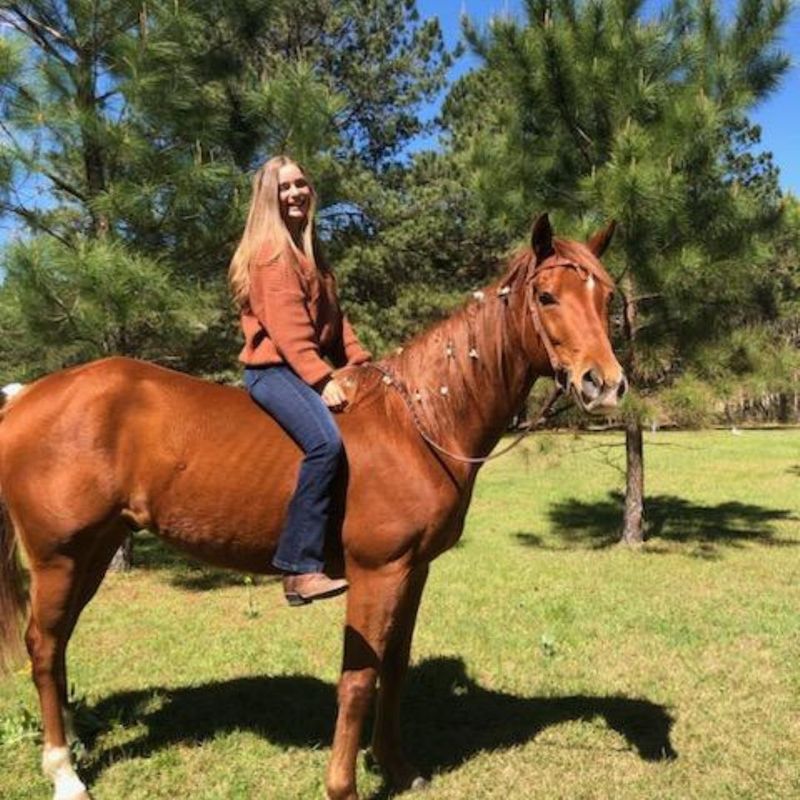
{"points": [[548, 661]]}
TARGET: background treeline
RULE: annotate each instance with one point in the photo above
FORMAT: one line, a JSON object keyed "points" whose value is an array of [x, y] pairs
{"points": [[129, 129]]}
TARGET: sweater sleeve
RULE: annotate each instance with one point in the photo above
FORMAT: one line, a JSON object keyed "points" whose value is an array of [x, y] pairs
{"points": [[353, 351], [279, 302]]}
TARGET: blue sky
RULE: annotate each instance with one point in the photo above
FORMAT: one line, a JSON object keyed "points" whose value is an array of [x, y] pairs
{"points": [[779, 115]]}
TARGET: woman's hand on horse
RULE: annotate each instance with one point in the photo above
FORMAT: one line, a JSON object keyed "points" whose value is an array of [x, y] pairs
{"points": [[333, 396]]}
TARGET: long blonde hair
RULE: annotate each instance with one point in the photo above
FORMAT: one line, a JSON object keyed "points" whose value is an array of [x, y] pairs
{"points": [[265, 227]]}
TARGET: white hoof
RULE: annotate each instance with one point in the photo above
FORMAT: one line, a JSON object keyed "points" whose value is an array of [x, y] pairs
{"points": [[57, 766]]}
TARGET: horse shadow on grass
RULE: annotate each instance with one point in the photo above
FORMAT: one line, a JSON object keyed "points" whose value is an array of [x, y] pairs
{"points": [[670, 518], [152, 554], [449, 718]]}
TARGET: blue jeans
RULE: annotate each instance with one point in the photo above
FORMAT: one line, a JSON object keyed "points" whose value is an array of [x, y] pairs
{"points": [[300, 411]]}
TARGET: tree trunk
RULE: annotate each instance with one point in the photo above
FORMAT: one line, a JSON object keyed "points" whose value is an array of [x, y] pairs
{"points": [[123, 558], [633, 520], [94, 155]]}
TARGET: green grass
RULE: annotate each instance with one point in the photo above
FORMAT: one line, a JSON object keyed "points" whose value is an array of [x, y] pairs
{"points": [[548, 661]]}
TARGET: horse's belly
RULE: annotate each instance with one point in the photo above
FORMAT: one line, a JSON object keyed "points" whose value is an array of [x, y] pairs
{"points": [[244, 553], [223, 525]]}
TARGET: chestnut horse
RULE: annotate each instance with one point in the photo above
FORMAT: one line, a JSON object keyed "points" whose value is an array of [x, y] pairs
{"points": [[92, 452]]}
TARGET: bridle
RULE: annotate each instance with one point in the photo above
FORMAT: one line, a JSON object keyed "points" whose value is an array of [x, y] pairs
{"points": [[560, 371], [548, 409]]}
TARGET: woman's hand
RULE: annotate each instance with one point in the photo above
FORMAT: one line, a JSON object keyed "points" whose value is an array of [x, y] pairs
{"points": [[333, 396]]}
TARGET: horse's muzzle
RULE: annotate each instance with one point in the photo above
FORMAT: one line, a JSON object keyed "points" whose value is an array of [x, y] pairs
{"points": [[598, 396]]}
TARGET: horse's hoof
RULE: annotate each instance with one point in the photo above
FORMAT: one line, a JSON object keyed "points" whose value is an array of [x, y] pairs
{"points": [[371, 763], [411, 784], [403, 778], [79, 795]]}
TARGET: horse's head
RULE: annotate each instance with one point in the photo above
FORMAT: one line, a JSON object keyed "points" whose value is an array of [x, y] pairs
{"points": [[567, 297]]}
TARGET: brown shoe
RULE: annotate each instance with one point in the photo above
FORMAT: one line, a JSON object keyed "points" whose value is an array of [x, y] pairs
{"points": [[310, 586]]}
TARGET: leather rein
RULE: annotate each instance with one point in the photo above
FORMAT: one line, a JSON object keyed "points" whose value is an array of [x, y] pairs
{"points": [[546, 411]]}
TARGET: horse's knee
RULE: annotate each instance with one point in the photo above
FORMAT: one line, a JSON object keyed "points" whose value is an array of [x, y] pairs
{"points": [[340, 787], [42, 651], [356, 691], [32, 638]]}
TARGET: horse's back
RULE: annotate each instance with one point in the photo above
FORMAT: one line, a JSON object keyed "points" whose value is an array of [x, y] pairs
{"points": [[96, 403], [120, 436]]}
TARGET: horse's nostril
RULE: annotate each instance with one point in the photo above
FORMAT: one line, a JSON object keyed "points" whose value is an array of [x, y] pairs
{"points": [[622, 389], [593, 378], [591, 383]]}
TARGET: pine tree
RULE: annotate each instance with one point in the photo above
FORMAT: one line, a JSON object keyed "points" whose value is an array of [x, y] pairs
{"points": [[593, 110], [139, 122], [129, 128]]}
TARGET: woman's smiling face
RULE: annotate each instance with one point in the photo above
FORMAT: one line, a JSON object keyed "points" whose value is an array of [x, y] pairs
{"points": [[294, 194]]}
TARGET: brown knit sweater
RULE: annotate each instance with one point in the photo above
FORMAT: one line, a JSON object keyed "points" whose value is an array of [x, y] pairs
{"points": [[293, 317]]}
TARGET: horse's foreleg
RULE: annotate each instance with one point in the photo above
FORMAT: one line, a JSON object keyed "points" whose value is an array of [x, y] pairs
{"points": [[52, 596], [386, 741], [373, 602]]}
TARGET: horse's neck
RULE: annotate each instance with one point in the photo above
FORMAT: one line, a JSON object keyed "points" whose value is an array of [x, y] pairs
{"points": [[468, 375]]}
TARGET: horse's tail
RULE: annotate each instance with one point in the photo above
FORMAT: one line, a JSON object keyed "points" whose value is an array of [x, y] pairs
{"points": [[13, 596]]}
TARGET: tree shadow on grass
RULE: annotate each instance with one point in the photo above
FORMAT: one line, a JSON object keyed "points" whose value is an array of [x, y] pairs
{"points": [[450, 717], [794, 470], [671, 518]]}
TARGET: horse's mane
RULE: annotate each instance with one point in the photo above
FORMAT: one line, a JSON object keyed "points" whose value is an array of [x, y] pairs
{"points": [[438, 366], [449, 365]]}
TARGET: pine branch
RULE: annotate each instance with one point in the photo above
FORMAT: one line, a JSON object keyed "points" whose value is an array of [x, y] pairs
{"points": [[39, 32], [33, 219], [64, 186], [23, 156], [103, 97]]}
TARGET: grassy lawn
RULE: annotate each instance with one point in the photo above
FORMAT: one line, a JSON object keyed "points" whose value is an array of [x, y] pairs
{"points": [[548, 662]]}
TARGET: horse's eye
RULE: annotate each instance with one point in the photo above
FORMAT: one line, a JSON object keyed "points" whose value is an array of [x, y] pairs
{"points": [[546, 299]]}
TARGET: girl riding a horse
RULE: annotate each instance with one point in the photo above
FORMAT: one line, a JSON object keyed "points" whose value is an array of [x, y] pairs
{"points": [[292, 322]]}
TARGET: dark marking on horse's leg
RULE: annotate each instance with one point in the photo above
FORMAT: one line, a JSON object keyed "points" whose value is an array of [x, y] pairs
{"points": [[373, 604], [387, 749]]}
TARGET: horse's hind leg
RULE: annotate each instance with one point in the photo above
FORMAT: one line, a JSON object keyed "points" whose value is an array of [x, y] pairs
{"points": [[53, 592], [94, 566], [61, 586]]}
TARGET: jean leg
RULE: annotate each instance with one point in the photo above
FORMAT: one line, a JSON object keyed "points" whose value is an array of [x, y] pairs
{"points": [[300, 411]]}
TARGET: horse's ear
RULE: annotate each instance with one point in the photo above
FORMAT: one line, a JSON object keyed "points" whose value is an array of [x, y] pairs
{"points": [[599, 243], [542, 238]]}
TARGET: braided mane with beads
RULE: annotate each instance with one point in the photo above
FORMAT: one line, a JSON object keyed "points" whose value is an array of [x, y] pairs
{"points": [[448, 367]]}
